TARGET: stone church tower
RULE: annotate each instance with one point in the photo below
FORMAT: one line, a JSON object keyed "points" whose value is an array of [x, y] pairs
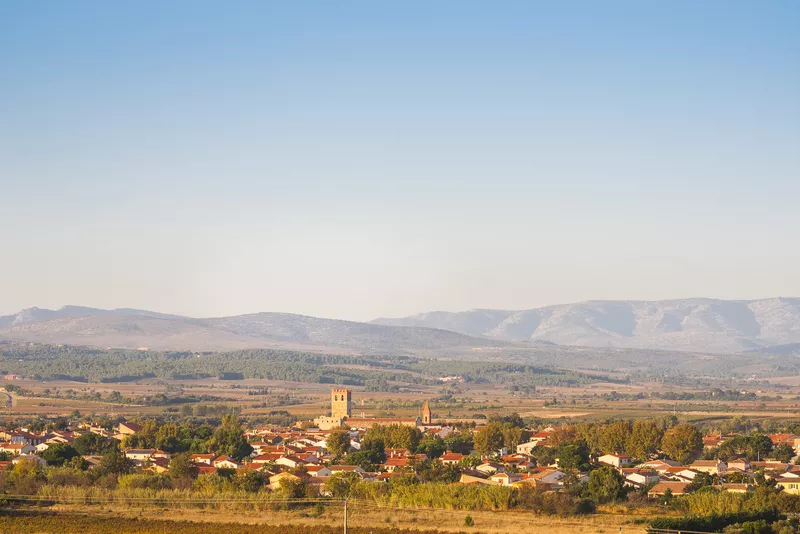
{"points": [[341, 403], [426, 414]]}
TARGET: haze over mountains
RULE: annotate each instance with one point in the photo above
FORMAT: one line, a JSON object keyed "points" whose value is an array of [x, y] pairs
{"points": [[700, 325], [129, 328]]}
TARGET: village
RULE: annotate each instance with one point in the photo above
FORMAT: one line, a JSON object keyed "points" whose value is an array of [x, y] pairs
{"points": [[312, 456]]}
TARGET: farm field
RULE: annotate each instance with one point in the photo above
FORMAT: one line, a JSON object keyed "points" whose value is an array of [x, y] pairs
{"points": [[373, 520], [462, 402]]}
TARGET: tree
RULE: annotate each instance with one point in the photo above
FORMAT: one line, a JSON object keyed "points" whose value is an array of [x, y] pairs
{"points": [[341, 485], [470, 461], [229, 439], [544, 455], [573, 457], [114, 462], [459, 443], [181, 466], [681, 442], [59, 453], [605, 485], [615, 436], [565, 435], [758, 446], [783, 453], [395, 436], [432, 471], [338, 443], [26, 477], [488, 439], [702, 480], [431, 446], [753, 447], [512, 436], [644, 440], [249, 481], [90, 444]]}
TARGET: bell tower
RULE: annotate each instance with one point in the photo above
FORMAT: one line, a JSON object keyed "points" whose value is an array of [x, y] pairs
{"points": [[341, 403], [426, 414]]}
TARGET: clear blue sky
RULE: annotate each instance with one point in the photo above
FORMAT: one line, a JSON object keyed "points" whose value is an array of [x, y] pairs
{"points": [[357, 159]]}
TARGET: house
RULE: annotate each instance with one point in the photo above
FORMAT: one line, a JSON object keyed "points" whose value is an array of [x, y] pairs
{"points": [[547, 475], [452, 458], [100, 431], [777, 439], [490, 468], [345, 469], [715, 440], [777, 467], [542, 435], [158, 465], [741, 464], [617, 460], [393, 463], [318, 471], [660, 489], [129, 429], [93, 461], [640, 477], [788, 484], [445, 432], [204, 459], [203, 469], [681, 474], [712, 467], [468, 479], [505, 479], [29, 458], [226, 462], [267, 458], [291, 461], [17, 448], [275, 480], [660, 466], [22, 436], [527, 448], [140, 455]]}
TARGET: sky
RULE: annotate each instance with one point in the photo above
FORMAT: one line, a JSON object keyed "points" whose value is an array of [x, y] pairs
{"points": [[359, 159]]}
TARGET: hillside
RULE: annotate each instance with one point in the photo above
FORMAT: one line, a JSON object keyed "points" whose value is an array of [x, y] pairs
{"points": [[689, 324], [138, 328]]}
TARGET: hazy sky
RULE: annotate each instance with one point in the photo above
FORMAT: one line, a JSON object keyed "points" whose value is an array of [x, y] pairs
{"points": [[358, 159]]}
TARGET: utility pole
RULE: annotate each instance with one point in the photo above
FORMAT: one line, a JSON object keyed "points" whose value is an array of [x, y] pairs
{"points": [[345, 516]]}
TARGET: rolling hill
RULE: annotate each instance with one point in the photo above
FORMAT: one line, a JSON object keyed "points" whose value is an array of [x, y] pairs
{"points": [[689, 324], [126, 328]]}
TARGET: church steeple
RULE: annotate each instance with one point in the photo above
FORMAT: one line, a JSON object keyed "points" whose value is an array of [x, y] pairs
{"points": [[426, 414]]}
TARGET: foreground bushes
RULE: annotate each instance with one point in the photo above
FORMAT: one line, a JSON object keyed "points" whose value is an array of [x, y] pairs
{"points": [[714, 522], [57, 523]]}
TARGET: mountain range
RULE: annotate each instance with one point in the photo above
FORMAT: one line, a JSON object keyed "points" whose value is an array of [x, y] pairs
{"points": [[130, 328], [697, 325]]}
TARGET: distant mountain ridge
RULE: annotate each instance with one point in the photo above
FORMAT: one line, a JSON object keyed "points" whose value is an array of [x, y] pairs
{"points": [[699, 324], [765, 326], [131, 328]]}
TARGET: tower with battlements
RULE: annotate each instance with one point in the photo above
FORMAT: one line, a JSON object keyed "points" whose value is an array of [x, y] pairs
{"points": [[341, 403]]}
